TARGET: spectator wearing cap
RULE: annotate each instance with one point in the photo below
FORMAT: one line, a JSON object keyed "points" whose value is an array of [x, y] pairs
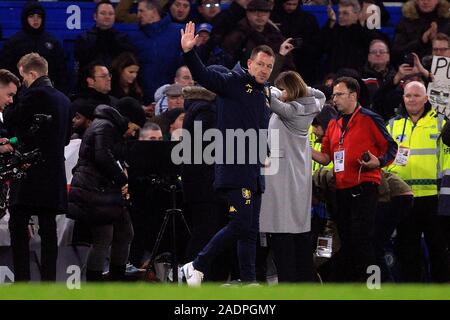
{"points": [[179, 10], [254, 30], [209, 52], [157, 66], [34, 38], [183, 77], [207, 9], [102, 42], [204, 32], [296, 23]]}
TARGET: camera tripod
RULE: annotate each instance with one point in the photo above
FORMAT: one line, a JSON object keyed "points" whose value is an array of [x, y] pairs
{"points": [[170, 214]]}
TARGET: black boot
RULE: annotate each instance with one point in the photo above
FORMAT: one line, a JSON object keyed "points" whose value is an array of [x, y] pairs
{"points": [[117, 273], [93, 276]]}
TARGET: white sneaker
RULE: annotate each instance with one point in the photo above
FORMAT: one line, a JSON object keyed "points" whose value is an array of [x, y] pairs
{"points": [[193, 277]]}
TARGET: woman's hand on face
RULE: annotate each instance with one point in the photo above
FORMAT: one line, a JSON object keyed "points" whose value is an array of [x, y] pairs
{"points": [[275, 92], [283, 96]]}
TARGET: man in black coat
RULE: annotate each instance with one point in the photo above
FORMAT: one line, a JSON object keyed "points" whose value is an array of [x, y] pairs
{"points": [[34, 38], [102, 42], [43, 191]]}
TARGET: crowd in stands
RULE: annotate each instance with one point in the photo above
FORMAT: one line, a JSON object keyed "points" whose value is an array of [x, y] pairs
{"points": [[148, 66]]}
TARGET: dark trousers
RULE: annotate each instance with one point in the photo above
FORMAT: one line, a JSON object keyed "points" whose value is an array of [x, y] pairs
{"points": [[423, 219], [389, 216], [356, 210], [207, 219], [293, 256], [18, 227], [243, 228], [111, 240]]}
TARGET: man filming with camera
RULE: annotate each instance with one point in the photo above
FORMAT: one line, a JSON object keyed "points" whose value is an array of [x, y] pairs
{"points": [[41, 119]]}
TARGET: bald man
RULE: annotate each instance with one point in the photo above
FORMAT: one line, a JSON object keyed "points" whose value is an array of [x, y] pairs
{"points": [[417, 162]]}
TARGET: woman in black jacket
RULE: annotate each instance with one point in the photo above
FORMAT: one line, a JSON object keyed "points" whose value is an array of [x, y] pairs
{"points": [[99, 190]]}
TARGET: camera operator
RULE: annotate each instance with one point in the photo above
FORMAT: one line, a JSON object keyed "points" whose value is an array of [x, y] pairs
{"points": [[8, 89], [43, 191]]}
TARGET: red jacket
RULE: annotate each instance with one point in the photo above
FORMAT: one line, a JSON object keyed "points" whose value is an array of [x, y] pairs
{"points": [[365, 131]]}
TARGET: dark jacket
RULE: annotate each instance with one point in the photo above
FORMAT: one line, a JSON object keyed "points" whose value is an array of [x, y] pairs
{"points": [[409, 31], [301, 24], [345, 47], [198, 178], [226, 20], [242, 105], [31, 40], [91, 96], [445, 133], [100, 45], [240, 42], [376, 81], [159, 50], [45, 184], [97, 178]]}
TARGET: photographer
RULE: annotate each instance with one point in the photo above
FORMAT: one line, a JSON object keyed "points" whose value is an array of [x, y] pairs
{"points": [[43, 191]]}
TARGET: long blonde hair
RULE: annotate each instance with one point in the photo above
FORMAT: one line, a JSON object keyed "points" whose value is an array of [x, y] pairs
{"points": [[293, 83]]}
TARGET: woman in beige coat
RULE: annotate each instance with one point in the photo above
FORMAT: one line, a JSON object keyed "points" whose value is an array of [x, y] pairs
{"points": [[286, 203]]}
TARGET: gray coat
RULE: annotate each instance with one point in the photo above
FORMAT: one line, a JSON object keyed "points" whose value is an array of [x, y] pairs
{"points": [[286, 203]]}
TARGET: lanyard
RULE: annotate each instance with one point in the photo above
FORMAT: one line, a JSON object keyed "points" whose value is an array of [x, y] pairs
{"points": [[343, 133]]}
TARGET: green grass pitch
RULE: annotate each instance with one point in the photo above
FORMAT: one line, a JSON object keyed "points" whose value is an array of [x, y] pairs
{"points": [[148, 291]]}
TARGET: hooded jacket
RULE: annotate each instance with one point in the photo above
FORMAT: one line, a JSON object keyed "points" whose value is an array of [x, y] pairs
{"points": [[36, 40], [409, 31], [97, 178]]}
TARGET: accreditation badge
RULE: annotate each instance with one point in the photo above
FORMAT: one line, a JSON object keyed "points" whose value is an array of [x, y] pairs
{"points": [[339, 158], [402, 157]]}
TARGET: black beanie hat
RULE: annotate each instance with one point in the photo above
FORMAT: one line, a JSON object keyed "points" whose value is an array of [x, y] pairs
{"points": [[132, 109], [85, 109]]}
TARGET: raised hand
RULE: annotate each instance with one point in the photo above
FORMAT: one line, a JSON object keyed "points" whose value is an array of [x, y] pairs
{"points": [[188, 37], [286, 47]]}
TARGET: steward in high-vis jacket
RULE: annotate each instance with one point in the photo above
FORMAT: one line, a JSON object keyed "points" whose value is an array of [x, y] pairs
{"points": [[418, 163]]}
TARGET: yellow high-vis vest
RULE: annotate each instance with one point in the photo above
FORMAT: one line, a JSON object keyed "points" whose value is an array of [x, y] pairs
{"points": [[422, 170], [317, 146]]}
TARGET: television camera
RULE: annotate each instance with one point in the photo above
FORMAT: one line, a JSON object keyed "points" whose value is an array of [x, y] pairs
{"points": [[13, 165]]}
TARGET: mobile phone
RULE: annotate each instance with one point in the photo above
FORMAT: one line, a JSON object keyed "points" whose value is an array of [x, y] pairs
{"points": [[409, 59], [297, 42]]}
